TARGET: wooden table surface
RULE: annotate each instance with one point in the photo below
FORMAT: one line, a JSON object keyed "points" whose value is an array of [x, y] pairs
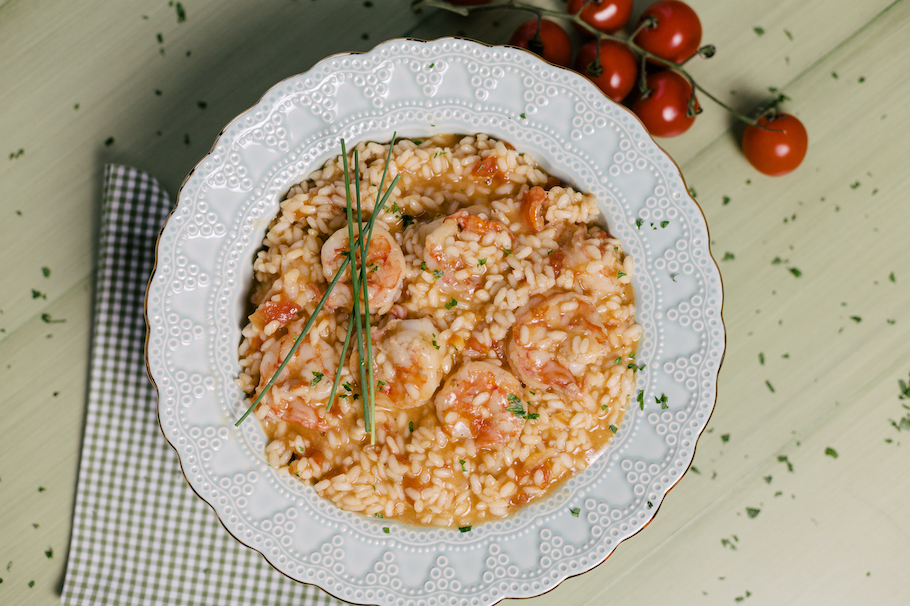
{"points": [[813, 360]]}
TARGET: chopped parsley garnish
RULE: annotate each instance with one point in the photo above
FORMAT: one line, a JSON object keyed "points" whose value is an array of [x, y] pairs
{"points": [[181, 13], [726, 200], [618, 360], [575, 511], [461, 462], [613, 428], [386, 530], [831, 452], [437, 274], [522, 116], [767, 479], [620, 274], [752, 511], [47, 272], [47, 319], [406, 220], [664, 224], [481, 262], [411, 426], [641, 399], [378, 515], [761, 358], [662, 400], [37, 294], [784, 459], [638, 223], [49, 553], [381, 383], [31, 584], [728, 256], [347, 386], [395, 208], [795, 272], [317, 377], [464, 529], [770, 387], [435, 344], [759, 31], [14, 155], [891, 277], [856, 319], [650, 504], [452, 303], [517, 409], [423, 266], [725, 438], [507, 251], [631, 356]]}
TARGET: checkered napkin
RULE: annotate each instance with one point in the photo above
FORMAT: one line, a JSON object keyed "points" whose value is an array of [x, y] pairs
{"points": [[140, 534]]}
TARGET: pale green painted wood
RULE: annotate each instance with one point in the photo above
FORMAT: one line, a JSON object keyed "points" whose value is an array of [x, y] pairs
{"points": [[837, 388]]}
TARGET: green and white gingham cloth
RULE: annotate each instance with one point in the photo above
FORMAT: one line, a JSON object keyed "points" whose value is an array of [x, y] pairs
{"points": [[140, 534]]}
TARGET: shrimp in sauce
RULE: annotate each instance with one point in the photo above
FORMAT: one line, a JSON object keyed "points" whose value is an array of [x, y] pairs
{"points": [[448, 248], [302, 390], [385, 269], [555, 341], [473, 404], [408, 366], [589, 254]]}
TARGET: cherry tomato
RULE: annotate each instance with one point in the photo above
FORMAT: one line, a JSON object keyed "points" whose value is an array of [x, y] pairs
{"points": [[557, 48], [607, 16], [677, 34], [776, 153], [620, 69], [663, 110]]}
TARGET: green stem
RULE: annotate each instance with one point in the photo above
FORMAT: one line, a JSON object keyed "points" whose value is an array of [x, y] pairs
{"points": [[366, 391], [576, 18], [378, 206], [355, 282], [340, 272], [344, 353]]}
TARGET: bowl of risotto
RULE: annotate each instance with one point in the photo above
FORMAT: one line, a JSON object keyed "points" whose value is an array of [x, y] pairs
{"points": [[473, 385]]}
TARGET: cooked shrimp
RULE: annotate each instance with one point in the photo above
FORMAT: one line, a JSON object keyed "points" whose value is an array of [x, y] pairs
{"points": [[455, 245], [385, 269], [408, 363], [474, 403], [590, 254], [555, 341], [302, 390]]}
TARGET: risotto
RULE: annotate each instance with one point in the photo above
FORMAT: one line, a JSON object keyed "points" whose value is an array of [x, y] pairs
{"points": [[503, 328]]}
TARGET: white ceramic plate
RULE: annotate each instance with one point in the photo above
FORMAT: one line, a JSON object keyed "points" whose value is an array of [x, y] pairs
{"points": [[196, 303]]}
